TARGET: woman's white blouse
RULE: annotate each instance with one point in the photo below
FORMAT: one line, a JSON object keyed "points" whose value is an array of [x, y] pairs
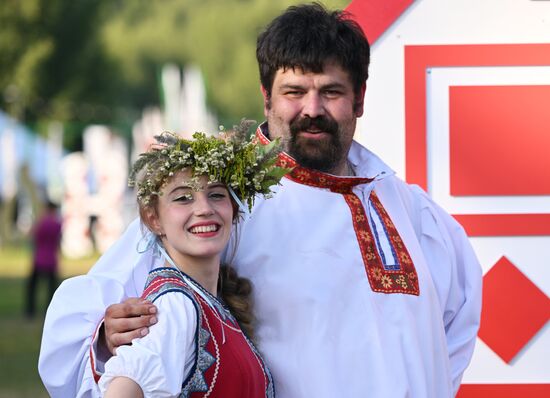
{"points": [[160, 361]]}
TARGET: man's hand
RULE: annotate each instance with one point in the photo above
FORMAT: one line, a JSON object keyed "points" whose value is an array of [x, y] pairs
{"points": [[126, 321]]}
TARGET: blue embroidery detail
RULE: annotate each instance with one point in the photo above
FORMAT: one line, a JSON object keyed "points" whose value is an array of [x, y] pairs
{"points": [[394, 266]]}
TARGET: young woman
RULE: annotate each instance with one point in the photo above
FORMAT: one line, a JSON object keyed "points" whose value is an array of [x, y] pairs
{"points": [[189, 194]]}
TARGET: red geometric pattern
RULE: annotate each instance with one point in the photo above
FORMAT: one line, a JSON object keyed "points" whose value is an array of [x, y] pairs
{"points": [[514, 310], [535, 224], [417, 60], [375, 17], [491, 128], [403, 280]]}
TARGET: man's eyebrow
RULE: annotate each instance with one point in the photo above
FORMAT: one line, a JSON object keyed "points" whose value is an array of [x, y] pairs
{"points": [[291, 86], [327, 86], [333, 85]]}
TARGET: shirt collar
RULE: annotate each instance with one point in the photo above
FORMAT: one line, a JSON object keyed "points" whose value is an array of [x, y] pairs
{"points": [[366, 164]]}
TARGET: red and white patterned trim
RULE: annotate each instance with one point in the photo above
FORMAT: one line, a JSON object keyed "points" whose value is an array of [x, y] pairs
{"points": [[403, 280], [96, 375]]}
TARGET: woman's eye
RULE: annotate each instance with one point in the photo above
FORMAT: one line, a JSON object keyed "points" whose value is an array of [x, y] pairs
{"points": [[183, 198], [217, 195]]}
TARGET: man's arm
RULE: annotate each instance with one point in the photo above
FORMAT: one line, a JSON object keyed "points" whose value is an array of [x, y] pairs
{"points": [[68, 364], [73, 316], [457, 276]]}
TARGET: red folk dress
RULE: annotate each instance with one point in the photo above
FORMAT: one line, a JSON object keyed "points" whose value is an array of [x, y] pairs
{"points": [[224, 362]]}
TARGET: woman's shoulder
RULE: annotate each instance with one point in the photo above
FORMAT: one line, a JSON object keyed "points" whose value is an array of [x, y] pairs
{"points": [[165, 280]]}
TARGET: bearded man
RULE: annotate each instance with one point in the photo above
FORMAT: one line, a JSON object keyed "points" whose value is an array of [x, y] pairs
{"points": [[362, 285]]}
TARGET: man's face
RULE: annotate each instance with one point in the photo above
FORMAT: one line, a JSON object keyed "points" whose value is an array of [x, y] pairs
{"points": [[315, 116]]}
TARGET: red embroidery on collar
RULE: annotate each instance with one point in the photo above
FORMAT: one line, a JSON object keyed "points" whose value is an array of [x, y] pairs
{"points": [[314, 178], [405, 279]]}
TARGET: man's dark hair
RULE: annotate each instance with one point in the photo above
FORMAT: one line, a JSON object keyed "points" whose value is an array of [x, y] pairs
{"points": [[306, 37]]}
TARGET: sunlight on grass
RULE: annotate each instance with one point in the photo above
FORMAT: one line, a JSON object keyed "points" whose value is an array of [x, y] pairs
{"points": [[20, 342], [15, 261]]}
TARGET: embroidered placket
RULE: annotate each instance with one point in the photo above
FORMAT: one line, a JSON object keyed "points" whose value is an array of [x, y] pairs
{"points": [[401, 279]]}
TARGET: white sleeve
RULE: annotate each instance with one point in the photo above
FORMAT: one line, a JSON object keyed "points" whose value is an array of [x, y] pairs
{"points": [[160, 361], [457, 276], [76, 309]]}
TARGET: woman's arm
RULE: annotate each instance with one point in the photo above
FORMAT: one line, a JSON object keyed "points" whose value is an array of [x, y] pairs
{"points": [[160, 361], [123, 387]]}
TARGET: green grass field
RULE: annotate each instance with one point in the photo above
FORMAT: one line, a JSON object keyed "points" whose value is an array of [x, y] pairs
{"points": [[20, 337], [20, 343]]}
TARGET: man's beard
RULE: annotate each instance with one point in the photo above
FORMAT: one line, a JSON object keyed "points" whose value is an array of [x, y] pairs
{"points": [[323, 154]]}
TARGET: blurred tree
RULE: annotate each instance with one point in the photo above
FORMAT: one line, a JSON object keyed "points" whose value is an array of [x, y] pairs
{"points": [[53, 64], [219, 37], [92, 61]]}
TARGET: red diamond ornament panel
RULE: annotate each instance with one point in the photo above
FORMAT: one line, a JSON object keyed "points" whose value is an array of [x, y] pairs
{"points": [[514, 310]]}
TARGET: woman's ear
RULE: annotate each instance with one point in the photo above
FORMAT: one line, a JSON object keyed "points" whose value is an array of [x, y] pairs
{"points": [[151, 220]]}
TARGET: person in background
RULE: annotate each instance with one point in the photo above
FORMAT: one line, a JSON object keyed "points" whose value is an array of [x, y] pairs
{"points": [[46, 241], [363, 285]]}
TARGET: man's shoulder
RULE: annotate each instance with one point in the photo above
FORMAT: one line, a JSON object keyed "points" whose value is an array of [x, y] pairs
{"points": [[366, 163], [420, 205]]}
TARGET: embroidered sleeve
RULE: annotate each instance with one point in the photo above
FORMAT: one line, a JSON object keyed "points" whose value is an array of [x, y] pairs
{"points": [[160, 361]]}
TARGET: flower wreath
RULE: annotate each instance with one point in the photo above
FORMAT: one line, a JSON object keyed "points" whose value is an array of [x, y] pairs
{"points": [[244, 165]]}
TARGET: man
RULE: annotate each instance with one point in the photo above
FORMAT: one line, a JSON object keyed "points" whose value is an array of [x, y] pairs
{"points": [[363, 286]]}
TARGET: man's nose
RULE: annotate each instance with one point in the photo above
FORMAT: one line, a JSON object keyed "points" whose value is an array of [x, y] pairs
{"points": [[313, 105]]}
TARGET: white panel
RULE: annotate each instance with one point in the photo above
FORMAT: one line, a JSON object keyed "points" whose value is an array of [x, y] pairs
{"points": [[430, 22], [382, 129]]}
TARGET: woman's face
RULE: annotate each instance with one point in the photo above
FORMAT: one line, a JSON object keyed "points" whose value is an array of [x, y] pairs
{"points": [[195, 224]]}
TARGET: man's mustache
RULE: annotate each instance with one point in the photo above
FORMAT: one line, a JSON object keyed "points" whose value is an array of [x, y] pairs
{"points": [[320, 122]]}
